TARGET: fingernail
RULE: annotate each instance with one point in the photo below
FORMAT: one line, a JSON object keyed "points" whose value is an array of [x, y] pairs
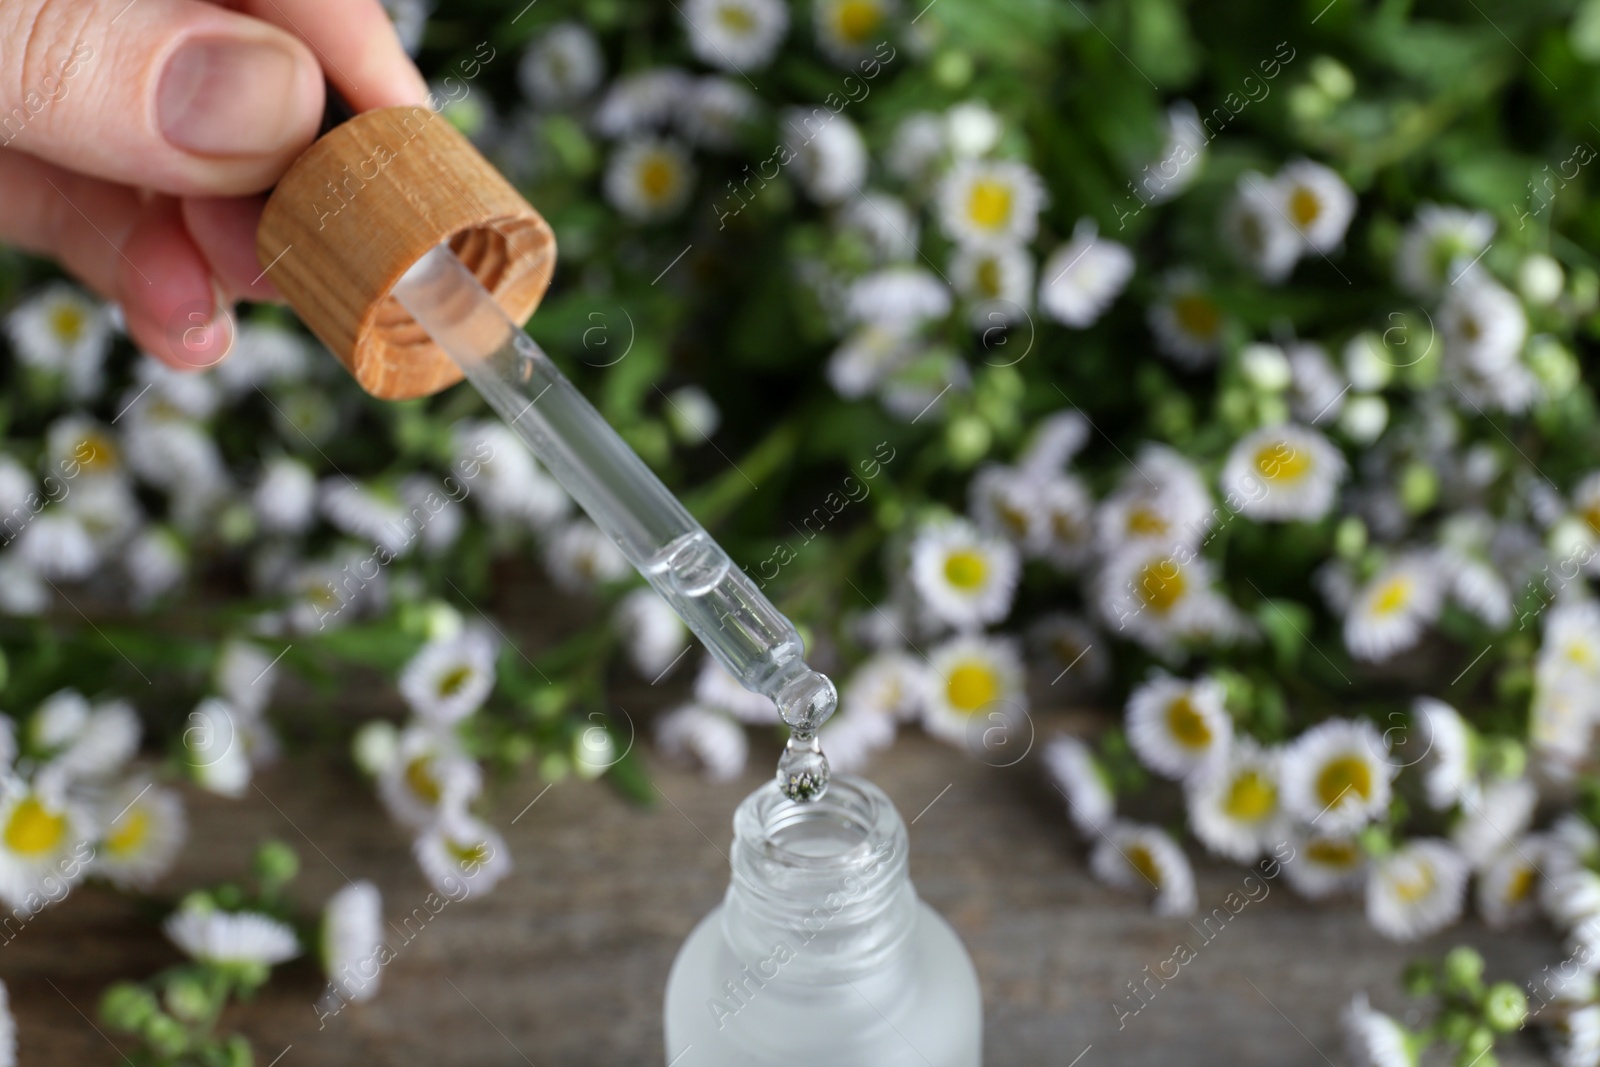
{"points": [[229, 97], [204, 338]]}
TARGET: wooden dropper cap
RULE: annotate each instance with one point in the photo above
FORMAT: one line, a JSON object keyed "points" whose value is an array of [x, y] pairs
{"points": [[364, 203]]}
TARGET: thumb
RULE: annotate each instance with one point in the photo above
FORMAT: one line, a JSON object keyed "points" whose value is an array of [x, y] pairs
{"points": [[178, 96]]}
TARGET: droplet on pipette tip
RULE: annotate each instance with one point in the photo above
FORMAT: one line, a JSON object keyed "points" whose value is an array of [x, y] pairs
{"points": [[803, 769]]}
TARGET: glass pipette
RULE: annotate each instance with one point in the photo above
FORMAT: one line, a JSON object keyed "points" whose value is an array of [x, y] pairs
{"points": [[721, 605]]}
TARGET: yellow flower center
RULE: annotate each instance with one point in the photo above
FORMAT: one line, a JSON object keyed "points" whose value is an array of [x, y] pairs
{"points": [[971, 687], [988, 277], [1580, 654], [1282, 462], [127, 836], [1146, 521], [1392, 596], [658, 177], [1187, 725], [67, 322], [1197, 316], [1348, 773], [1014, 518], [1304, 206], [736, 17], [989, 203], [1520, 885], [323, 595], [966, 569], [1161, 585], [1330, 852], [855, 19], [1591, 515], [1251, 797], [34, 829], [452, 681], [1420, 883], [95, 452], [469, 853], [419, 777], [1142, 861]]}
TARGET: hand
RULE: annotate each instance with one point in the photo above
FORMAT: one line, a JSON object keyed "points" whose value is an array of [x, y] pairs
{"points": [[136, 133]]}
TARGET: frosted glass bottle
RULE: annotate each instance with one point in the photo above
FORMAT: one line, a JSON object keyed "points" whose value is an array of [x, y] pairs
{"points": [[821, 952]]}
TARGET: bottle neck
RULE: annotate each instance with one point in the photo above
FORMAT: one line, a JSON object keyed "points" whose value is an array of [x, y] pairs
{"points": [[820, 890]]}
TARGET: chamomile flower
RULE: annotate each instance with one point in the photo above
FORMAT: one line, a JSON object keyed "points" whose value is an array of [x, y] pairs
{"points": [[965, 579], [649, 178], [991, 202], [830, 157], [429, 774], [1160, 597], [640, 102], [1083, 277], [215, 750], [891, 683], [579, 557], [1575, 1037], [58, 720], [1057, 438], [230, 937], [709, 739], [1336, 775], [736, 34], [447, 680], [651, 632], [1187, 321], [1178, 727], [1074, 771], [1482, 325], [850, 29], [84, 445], [365, 513], [1235, 805], [155, 562], [1182, 155], [970, 678], [1073, 652], [1508, 886], [1324, 864], [1004, 501], [1283, 473], [1445, 752], [915, 147], [1131, 856], [62, 331], [284, 500], [107, 739], [1390, 611], [44, 845], [506, 480], [562, 65], [1162, 501], [1316, 388], [1373, 1039], [1417, 890], [898, 298], [885, 223], [143, 829], [713, 111], [866, 357], [1432, 244], [714, 687], [997, 282], [1499, 816], [458, 847], [1316, 202], [852, 737], [351, 939], [262, 356], [1259, 230]]}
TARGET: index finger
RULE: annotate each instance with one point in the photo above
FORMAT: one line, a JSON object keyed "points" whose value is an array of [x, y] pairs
{"points": [[356, 44]]}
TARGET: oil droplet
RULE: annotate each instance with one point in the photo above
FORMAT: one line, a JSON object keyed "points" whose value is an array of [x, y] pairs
{"points": [[803, 769]]}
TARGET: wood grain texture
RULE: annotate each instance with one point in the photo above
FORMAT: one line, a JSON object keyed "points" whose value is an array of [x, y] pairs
{"points": [[363, 204], [565, 962]]}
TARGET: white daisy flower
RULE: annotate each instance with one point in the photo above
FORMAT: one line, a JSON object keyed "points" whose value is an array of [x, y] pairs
{"points": [[645, 100], [852, 737], [991, 202], [1508, 886], [847, 30], [432, 516], [143, 830], [1161, 501], [915, 146], [562, 65], [1510, 387], [579, 557], [75, 441], [58, 720], [507, 481], [1478, 588], [971, 678], [1182, 155], [262, 356], [449, 679], [43, 839], [1176, 727], [898, 298], [1324, 864], [1435, 240], [1055, 440], [736, 34], [1259, 230], [1074, 653], [714, 687], [352, 937], [865, 358], [1081, 278], [891, 683], [1446, 744], [1390, 612], [1186, 321], [1131, 856], [649, 178], [1336, 776], [651, 632], [1159, 597], [1492, 821], [1073, 770], [107, 739], [155, 562], [284, 500], [61, 330], [885, 222], [1004, 501], [713, 110], [230, 937], [972, 129], [965, 579], [1482, 325], [1316, 202], [1235, 805], [707, 738], [179, 457], [1373, 1039], [830, 158], [1283, 473], [1575, 1037], [215, 750], [997, 281], [365, 513], [429, 774], [459, 847], [1417, 890]]}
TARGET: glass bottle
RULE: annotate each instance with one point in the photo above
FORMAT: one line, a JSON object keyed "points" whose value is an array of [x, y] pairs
{"points": [[821, 952]]}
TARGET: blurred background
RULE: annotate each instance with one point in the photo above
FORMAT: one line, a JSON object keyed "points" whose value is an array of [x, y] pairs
{"points": [[1171, 426]]}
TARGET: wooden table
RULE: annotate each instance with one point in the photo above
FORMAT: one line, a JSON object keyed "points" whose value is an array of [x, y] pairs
{"points": [[564, 963]]}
